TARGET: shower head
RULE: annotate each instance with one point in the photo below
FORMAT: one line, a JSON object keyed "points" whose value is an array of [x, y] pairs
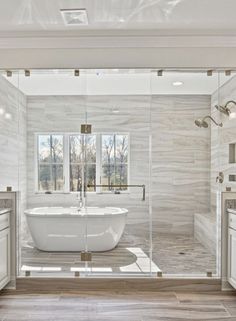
{"points": [[201, 122], [225, 109]]}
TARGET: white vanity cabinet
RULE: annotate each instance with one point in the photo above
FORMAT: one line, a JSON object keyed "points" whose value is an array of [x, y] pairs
{"points": [[5, 269], [231, 273]]}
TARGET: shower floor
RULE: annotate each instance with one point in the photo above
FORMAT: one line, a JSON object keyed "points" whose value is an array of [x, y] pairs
{"points": [[172, 254]]}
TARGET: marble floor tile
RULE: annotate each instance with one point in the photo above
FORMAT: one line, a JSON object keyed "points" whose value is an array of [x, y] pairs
{"points": [[172, 254]]}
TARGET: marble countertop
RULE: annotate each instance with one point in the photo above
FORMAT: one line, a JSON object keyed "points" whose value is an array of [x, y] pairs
{"points": [[4, 210], [231, 210]]}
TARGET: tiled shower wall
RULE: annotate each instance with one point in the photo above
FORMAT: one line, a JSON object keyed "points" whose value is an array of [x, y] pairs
{"points": [[180, 154], [181, 162]]}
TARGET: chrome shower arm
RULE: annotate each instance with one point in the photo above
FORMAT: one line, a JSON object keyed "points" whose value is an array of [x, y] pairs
{"points": [[217, 124], [225, 109], [230, 102]]}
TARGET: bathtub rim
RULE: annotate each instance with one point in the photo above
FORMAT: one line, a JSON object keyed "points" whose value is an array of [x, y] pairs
{"points": [[28, 212]]}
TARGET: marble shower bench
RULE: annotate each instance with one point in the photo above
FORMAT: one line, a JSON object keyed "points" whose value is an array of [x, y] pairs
{"points": [[205, 230]]}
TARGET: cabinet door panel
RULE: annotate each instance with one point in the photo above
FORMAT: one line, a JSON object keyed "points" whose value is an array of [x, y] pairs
{"points": [[4, 257]]}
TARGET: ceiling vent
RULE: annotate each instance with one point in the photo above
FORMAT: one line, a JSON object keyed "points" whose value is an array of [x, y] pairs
{"points": [[75, 17]]}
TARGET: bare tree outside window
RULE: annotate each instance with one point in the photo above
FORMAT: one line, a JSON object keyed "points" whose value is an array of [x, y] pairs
{"points": [[50, 162], [83, 163], [114, 161], [82, 157]]}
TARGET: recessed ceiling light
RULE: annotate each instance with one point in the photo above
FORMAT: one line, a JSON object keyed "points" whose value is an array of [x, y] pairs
{"points": [[75, 17], [177, 83], [2, 111]]}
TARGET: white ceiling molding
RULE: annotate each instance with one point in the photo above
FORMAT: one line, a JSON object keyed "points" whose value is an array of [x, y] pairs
{"points": [[62, 42], [157, 58]]}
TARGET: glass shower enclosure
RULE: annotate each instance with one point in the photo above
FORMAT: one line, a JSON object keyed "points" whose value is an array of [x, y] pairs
{"points": [[117, 171]]}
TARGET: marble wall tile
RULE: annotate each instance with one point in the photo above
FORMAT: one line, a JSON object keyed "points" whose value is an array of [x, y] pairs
{"points": [[180, 161]]}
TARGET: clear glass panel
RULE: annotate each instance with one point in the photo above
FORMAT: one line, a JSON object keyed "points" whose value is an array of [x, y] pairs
{"points": [[44, 150], [57, 148], [76, 146], [90, 173], [184, 221], [118, 213], [108, 177], [223, 143], [49, 157], [121, 176], [75, 177], [57, 177], [108, 154], [45, 179], [115, 161], [90, 149], [122, 145], [55, 104]]}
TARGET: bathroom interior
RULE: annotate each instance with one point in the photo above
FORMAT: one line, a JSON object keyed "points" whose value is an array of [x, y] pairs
{"points": [[117, 171]]}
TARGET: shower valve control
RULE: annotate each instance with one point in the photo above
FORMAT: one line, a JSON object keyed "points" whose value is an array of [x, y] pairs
{"points": [[220, 178]]}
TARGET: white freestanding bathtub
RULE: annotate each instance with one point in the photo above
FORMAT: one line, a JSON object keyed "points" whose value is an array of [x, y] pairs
{"points": [[68, 229]]}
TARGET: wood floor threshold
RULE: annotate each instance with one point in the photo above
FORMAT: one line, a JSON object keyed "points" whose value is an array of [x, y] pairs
{"points": [[29, 284]]}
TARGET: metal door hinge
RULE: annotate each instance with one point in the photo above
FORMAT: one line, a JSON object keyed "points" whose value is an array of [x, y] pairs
{"points": [[86, 256], [86, 129]]}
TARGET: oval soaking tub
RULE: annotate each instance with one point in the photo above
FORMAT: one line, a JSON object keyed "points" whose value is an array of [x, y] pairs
{"points": [[70, 229]]}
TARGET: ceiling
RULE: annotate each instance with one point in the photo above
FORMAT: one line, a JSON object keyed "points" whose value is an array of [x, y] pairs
{"points": [[116, 82], [44, 15]]}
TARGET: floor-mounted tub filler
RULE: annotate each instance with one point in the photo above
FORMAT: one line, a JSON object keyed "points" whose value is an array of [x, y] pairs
{"points": [[70, 229]]}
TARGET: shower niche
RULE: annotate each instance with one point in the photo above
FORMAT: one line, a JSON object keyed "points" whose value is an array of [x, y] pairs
{"points": [[232, 153]]}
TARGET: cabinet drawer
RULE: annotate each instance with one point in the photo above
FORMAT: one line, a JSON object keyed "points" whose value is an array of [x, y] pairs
{"points": [[4, 221], [232, 220]]}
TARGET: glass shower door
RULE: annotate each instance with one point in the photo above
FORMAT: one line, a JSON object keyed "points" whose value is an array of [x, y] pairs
{"points": [[185, 167], [223, 162], [54, 147], [117, 175]]}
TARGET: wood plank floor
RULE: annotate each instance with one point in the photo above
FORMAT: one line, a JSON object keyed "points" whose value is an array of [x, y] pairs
{"points": [[101, 306]]}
